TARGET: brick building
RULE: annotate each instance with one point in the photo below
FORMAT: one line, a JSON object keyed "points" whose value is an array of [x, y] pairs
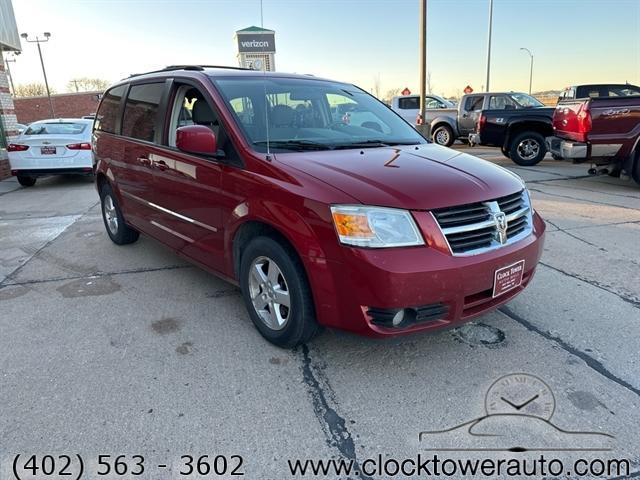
{"points": [[9, 41], [66, 105]]}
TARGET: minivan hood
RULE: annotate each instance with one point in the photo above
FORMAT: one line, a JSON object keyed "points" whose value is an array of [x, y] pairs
{"points": [[420, 177]]}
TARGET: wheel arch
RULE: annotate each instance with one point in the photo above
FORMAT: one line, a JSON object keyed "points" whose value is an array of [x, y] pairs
{"points": [[516, 128]]}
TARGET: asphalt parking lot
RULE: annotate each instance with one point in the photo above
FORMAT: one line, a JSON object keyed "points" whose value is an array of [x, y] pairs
{"points": [[108, 350]]}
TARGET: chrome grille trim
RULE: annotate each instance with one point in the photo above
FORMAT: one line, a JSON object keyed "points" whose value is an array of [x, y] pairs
{"points": [[467, 238]]}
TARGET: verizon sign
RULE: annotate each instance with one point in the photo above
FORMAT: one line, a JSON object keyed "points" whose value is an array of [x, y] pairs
{"points": [[257, 43]]}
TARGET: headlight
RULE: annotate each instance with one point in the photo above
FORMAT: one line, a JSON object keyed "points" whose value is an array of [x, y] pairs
{"points": [[375, 227]]}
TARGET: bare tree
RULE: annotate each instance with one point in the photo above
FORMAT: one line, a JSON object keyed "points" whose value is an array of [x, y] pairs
{"points": [[31, 90], [376, 86], [390, 94], [86, 84]]}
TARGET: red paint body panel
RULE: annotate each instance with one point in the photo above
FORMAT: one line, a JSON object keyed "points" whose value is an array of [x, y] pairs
{"points": [[159, 186]]}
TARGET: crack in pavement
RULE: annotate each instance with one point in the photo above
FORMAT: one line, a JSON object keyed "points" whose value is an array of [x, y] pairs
{"points": [[559, 229], [583, 200], [589, 360], [46, 244], [333, 425], [95, 275], [593, 283], [612, 224], [600, 192], [557, 179]]}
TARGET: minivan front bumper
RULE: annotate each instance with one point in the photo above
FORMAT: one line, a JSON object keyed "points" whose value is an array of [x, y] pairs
{"points": [[441, 289]]}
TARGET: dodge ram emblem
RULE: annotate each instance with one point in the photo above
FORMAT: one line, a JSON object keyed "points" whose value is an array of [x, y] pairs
{"points": [[500, 220]]}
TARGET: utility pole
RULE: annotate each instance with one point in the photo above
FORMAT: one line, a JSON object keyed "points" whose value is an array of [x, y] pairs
{"points": [[489, 45], [38, 41], [530, 67], [423, 61]]}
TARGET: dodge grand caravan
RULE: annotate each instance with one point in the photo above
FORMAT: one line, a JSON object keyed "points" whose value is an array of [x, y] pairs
{"points": [[354, 222]]}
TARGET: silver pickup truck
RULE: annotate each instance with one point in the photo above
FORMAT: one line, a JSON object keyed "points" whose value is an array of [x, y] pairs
{"points": [[448, 123]]}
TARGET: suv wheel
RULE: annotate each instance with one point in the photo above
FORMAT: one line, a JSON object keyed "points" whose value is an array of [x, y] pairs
{"points": [[119, 232], [276, 293], [26, 181], [443, 135], [528, 149]]}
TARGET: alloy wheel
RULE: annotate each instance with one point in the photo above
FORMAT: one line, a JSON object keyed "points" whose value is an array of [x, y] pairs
{"points": [[269, 293], [528, 149], [442, 137], [110, 214]]}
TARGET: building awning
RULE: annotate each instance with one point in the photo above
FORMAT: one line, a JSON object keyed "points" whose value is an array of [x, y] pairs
{"points": [[9, 38]]}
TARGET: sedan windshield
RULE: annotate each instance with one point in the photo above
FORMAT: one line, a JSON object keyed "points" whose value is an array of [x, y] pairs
{"points": [[55, 128], [307, 114], [526, 101]]}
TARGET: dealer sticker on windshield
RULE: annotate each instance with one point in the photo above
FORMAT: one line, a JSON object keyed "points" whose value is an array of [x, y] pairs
{"points": [[508, 278]]}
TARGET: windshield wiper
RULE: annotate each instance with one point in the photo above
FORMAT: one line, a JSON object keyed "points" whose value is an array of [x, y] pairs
{"points": [[294, 144], [370, 144]]}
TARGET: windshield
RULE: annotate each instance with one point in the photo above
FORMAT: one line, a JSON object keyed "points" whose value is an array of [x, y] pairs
{"points": [[301, 114], [525, 100], [57, 128]]}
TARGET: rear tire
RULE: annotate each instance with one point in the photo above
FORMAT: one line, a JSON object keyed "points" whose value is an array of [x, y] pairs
{"points": [[635, 170], [527, 149], [276, 293], [505, 152], [443, 135], [557, 157], [119, 232], [26, 181]]}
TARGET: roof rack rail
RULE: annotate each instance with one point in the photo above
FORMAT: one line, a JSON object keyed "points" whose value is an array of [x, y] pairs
{"points": [[187, 67]]}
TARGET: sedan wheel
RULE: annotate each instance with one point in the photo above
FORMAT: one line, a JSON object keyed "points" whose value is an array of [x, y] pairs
{"points": [[269, 293]]}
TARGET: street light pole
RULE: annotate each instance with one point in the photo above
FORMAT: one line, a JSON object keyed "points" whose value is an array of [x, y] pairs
{"points": [[530, 67], [423, 57], [489, 45], [38, 41], [7, 61]]}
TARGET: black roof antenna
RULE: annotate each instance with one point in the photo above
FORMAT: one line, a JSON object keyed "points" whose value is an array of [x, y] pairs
{"points": [[264, 84]]}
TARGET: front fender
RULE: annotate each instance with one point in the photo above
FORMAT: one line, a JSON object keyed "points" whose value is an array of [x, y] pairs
{"points": [[306, 239]]}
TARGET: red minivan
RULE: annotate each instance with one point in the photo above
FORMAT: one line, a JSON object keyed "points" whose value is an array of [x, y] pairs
{"points": [[323, 219]]}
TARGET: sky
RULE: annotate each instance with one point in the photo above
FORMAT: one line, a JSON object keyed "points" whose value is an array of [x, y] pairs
{"points": [[359, 41]]}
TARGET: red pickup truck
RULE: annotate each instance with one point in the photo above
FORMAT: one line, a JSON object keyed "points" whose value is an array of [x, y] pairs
{"points": [[604, 131]]}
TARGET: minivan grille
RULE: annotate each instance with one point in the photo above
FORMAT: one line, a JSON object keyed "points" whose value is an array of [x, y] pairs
{"points": [[479, 227]]}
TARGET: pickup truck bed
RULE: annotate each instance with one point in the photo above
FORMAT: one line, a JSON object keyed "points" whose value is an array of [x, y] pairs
{"points": [[601, 130]]}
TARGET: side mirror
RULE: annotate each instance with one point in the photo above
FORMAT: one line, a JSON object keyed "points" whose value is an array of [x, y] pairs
{"points": [[197, 139]]}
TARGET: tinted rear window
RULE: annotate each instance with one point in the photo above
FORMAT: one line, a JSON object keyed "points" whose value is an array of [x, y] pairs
{"points": [[109, 108], [141, 111], [57, 128], [409, 103]]}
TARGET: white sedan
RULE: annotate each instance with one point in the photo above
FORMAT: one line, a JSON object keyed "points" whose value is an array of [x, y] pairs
{"points": [[51, 147]]}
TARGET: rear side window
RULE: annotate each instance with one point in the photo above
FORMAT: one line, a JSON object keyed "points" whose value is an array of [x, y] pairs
{"points": [[57, 128], [141, 111], [473, 103], [108, 113], [409, 103]]}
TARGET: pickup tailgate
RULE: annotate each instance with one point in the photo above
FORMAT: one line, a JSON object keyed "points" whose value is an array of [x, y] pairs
{"points": [[569, 119]]}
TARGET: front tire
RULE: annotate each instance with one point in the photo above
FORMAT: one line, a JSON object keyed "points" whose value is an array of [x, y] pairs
{"points": [[119, 232], [276, 293], [26, 181], [527, 149], [443, 135], [505, 152]]}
